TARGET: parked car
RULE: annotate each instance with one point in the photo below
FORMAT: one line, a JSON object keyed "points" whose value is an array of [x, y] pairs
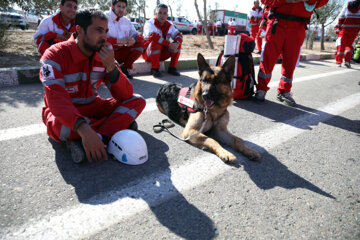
{"points": [[136, 25], [183, 25], [10, 19], [33, 17]]}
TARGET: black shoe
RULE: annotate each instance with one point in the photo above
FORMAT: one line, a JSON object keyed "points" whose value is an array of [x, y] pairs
{"points": [[76, 150], [173, 71], [133, 126], [260, 96], [259, 52], [287, 98], [156, 73], [126, 72]]}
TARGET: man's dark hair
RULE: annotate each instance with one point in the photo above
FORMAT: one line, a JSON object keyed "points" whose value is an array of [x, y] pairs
{"points": [[84, 17], [63, 1], [116, 1], [161, 6]]}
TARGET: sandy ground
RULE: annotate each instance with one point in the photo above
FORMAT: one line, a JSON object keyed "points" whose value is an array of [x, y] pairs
{"points": [[21, 50]]}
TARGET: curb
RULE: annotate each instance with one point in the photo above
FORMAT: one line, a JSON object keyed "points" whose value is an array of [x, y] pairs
{"points": [[23, 75]]}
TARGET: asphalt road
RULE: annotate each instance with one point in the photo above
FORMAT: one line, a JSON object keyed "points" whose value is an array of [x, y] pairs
{"points": [[305, 187]]}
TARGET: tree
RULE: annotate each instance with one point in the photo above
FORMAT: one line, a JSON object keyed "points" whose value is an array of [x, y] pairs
{"points": [[327, 15], [140, 9], [204, 22]]}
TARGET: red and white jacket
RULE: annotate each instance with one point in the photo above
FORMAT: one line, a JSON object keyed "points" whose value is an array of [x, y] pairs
{"points": [[294, 9], [349, 20], [120, 28], [49, 28], [70, 82], [255, 16], [153, 31]]}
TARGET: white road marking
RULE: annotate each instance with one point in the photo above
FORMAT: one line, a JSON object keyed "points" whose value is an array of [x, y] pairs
{"points": [[83, 220], [12, 133]]}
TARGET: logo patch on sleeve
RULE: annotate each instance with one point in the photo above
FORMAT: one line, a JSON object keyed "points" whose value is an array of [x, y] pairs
{"points": [[47, 72]]}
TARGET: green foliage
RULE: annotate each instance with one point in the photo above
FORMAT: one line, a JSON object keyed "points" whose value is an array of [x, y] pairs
{"points": [[328, 13]]}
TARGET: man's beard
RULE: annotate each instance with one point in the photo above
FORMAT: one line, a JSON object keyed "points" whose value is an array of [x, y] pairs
{"points": [[93, 48]]}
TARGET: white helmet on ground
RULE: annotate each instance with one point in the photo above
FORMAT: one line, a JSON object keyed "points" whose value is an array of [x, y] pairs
{"points": [[128, 146]]}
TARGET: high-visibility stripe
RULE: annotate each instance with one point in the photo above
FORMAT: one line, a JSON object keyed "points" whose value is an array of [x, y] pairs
{"points": [[83, 100], [58, 81], [96, 75], [74, 77], [288, 80], [264, 75], [132, 113], [155, 52]]}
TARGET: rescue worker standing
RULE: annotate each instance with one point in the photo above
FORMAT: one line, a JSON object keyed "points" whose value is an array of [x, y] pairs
{"points": [[255, 19], [71, 72], [127, 43], [285, 34], [232, 26], [57, 27], [348, 28], [157, 34]]}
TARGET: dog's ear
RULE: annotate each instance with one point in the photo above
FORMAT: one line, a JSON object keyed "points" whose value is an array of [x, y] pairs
{"points": [[229, 67], [202, 64]]}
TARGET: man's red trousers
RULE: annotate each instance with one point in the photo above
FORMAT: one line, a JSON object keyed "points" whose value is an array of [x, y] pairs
{"points": [[287, 39], [156, 52], [105, 116]]}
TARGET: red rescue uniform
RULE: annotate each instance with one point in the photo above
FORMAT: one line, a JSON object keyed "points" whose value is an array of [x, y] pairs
{"points": [[285, 34], [255, 19], [49, 28], [348, 28], [70, 81], [157, 41]]}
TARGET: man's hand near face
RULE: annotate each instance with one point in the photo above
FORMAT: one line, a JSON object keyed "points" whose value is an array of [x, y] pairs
{"points": [[106, 55]]}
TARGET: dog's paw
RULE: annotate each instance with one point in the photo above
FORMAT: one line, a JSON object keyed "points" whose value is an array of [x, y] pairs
{"points": [[226, 156], [254, 156]]}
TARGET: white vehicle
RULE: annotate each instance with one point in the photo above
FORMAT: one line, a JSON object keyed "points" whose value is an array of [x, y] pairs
{"points": [[10, 19], [183, 25], [241, 19], [33, 18]]}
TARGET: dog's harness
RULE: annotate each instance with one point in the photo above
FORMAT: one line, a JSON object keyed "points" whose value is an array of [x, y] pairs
{"points": [[186, 102], [187, 105]]}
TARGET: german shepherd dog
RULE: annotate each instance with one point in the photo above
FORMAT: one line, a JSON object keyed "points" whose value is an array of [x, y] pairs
{"points": [[212, 92]]}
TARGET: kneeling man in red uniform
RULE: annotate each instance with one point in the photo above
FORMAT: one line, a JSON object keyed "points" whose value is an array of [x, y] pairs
{"points": [[71, 72], [157, 34]]}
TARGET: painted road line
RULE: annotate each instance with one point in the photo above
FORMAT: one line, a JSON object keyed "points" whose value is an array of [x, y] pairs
{"points": [[79, 221], [12, 133], [311, 77]]}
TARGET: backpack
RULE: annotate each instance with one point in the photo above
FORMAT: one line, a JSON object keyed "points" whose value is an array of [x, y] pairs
{"points": [[244, 75]]}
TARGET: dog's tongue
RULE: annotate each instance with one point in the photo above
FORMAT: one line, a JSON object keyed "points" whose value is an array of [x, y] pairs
{"points": [[209, 103]]}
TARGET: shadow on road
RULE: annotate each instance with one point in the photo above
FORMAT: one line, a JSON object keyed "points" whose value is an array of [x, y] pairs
{"points": [[29, 94], [270, 173], [111, 179], [279, 112]]}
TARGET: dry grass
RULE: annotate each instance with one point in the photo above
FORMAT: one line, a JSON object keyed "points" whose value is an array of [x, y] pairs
{"points": [[21, 50]]}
